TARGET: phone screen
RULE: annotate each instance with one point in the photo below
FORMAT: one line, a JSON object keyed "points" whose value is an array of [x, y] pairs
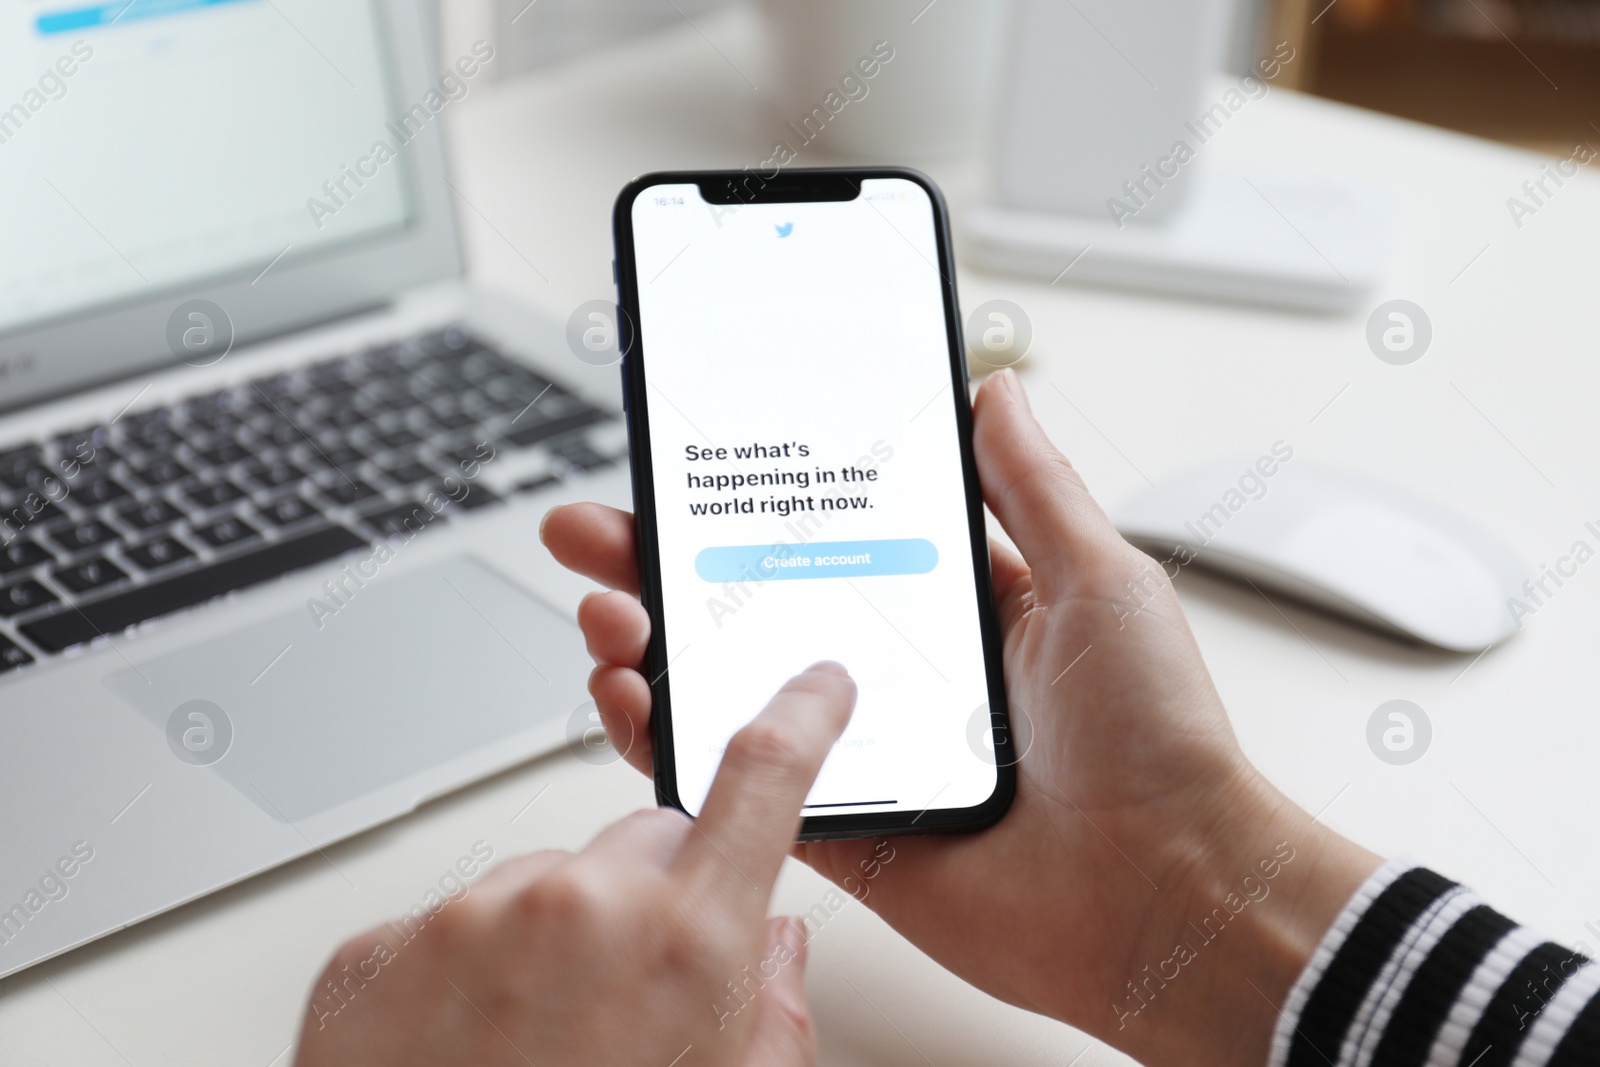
{"points": [[809, 498]]}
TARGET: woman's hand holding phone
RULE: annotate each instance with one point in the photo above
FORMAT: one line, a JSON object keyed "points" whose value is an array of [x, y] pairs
{"points": [[1139, 830]]}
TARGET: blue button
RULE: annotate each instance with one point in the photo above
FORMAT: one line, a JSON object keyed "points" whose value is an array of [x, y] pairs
{"points": [[823, 559]]}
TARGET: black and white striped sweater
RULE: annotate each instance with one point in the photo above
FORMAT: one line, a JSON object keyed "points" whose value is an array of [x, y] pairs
{"points": [[1418, 972]]}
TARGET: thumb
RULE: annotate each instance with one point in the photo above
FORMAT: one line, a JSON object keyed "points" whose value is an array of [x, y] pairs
{"points": [[782, 1034], [1039, 498]]}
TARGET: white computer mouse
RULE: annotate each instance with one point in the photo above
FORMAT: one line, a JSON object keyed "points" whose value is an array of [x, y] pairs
{"points": [[1371, 553]]}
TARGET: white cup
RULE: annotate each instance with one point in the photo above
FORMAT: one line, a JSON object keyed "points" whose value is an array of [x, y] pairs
{"points": [[934, 68]]}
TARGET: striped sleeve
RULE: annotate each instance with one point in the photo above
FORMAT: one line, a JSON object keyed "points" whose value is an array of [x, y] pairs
{"points": [[1418, 972]]}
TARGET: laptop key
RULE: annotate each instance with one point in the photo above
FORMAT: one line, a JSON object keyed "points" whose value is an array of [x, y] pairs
{"points": [[155, 437], [89, 575], [99, 462], [222, 422], [329, 374], [383, 401], [141, 603], [273, 475], [24, 596], [229, 531], [19, 554], [158, 553], [17, 463], [224, 454], [533, 485], [406, 520], [283, 434], [99, 491], [149, 516], [409, 473], [78, 536], [208, 404], [162, 472], [386, 358], [287, 511], [467, 454], [31, 510], [215, 495], [398, 438], [44, 479], [479, 405], [87, 446], [12, 655], [476, 497], [453, 420], [581, 456], [343, 456], [345, 417], [535, 432], [140, 421], [451, 338], [342, 491], [272, 388]]}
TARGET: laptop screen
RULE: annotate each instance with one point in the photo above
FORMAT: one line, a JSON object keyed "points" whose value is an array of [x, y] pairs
{"points": [[147, 145]]}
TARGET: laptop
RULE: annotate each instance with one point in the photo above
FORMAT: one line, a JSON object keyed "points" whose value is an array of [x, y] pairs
{"points": [[271, 472]]}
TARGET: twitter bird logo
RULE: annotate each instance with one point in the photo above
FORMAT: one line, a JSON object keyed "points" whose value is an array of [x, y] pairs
{"points": [[784, 229]]}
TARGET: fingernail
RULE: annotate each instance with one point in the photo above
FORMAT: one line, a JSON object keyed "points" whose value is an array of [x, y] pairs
{"points": [[545, 522], [1014, 384], [828, 666]]}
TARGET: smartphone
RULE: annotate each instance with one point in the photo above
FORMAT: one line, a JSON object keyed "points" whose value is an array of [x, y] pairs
{"points": [[800, 432]]}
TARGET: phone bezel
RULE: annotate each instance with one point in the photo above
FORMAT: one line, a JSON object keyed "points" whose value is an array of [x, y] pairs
{"points": [[746, 187]]}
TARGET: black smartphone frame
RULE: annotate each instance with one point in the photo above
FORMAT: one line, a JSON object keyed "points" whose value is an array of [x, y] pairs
{"points": [[737, 188]]}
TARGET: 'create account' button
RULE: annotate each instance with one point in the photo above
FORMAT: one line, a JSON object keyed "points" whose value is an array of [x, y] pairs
{"points": [[825, 559]]}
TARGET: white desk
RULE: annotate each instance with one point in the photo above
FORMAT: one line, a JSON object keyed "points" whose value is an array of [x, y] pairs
{"points": [[1497, 420]]}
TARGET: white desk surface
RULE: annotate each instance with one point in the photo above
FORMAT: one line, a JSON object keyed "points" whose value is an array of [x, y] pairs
{"points": [[1497, 421]]}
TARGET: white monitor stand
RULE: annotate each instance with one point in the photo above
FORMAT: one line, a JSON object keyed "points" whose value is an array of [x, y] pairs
{"points": [[1104, 165]]}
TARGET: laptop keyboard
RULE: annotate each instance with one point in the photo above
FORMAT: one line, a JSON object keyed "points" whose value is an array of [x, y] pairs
{"points": [[188, 502]]}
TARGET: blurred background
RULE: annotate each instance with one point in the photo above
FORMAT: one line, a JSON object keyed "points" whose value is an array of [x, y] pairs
{"points": [[1485, 67]]}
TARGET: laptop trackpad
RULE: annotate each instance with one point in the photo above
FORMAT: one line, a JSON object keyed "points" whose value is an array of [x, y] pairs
{"points": [[327, 703]]}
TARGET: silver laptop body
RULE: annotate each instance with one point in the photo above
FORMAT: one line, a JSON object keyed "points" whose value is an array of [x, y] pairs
{"points": [[271, 472]]}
